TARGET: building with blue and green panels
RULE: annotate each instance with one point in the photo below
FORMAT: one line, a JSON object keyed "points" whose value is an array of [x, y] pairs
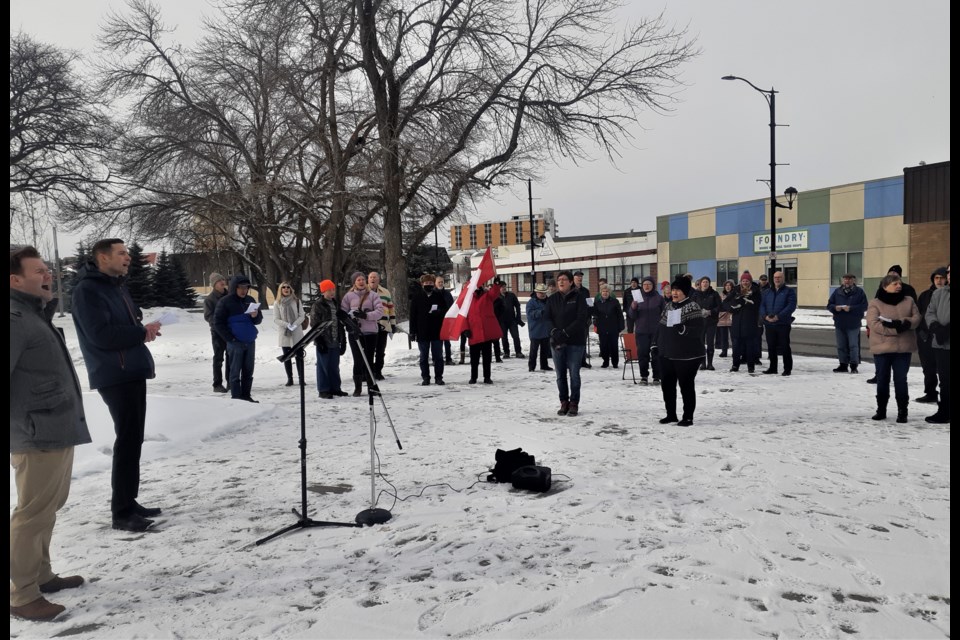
{"points": [[851, 228]]}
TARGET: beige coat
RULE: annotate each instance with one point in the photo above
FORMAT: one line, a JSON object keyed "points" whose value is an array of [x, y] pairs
{"points": [[885, 339]]}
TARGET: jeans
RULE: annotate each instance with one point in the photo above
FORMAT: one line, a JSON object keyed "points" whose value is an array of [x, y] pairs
{"points": [[848, 345], [899, 364], [428, 347], [241, 355], [568, 358], [328, 371]]}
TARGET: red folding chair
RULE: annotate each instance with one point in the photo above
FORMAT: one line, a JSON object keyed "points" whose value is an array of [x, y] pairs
{"points": [[628, 344]]}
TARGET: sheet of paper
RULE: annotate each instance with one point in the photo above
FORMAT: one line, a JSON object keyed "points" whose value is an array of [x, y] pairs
{"points": [[291, 326], [589, 302], [433, 308], [673, 317], [167, 317], [253, 307], [637, 295], [884, 319]]}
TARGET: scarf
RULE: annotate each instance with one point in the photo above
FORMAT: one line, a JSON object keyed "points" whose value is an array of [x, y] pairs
{"points": [[893, 299], [288, 309]]}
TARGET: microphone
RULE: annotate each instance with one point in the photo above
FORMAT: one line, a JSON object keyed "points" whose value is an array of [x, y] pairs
{"points": [[348, 322]]}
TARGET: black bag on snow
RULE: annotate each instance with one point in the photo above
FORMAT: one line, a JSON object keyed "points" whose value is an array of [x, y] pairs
{"points": [[508, 462]]}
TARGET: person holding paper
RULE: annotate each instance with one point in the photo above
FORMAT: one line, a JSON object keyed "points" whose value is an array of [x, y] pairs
{"points": [[628, 297], [114, 346], [288, 315], [218, 289], [427, 308], [646, 313], [235, 319], [681, 351], [892, 318], [709, 300], [848, 304]]}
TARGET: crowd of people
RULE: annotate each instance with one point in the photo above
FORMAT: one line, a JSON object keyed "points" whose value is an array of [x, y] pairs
{"points": [[676, 329]]}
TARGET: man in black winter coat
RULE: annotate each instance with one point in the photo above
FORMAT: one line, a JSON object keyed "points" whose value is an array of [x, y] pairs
{"points": [[510, 319], [568, 314], [708, 300], [427, 308]]}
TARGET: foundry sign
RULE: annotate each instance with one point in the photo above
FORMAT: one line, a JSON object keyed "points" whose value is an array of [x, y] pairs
{"points": [[794, 240]]}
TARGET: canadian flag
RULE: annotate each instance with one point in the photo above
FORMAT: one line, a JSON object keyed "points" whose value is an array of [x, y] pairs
{"points": [[455, 321]]}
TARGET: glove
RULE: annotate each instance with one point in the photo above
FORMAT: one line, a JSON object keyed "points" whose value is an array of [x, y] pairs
{"points": [[360, 313], [941, 332], [322, 346], [343, 347], [521, 323], [905, 324], [892, 324], [466, 334]]}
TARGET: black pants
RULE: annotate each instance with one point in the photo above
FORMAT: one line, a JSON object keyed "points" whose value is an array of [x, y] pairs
{"points": [[645, 355], [127, 403], [682, 373], [541, 346], [446, 349], [288, 365], [219, 357], [514, 332], [478, 351], [379, 350], [745, 349], [778, 344], [368, 343], [610, 348], [928, 361], [723, 338], [710, 335]]}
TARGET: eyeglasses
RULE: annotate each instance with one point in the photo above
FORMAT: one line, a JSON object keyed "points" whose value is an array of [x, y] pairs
{"points": [[285, 288]]}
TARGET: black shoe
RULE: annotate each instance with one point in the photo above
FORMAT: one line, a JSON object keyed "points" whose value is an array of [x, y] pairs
{"points": [[249, 399], [750, 369], [644, 381], [289, 383], [379, 376], [440, 382], [723, 354], [564, 408], [669, 419], [500, 360], [520, 355], [425, 383], [927, 398], [710, 367], [146, 512], [734, 369], [872, 380], [546, 369], [853, 368], [686, 422], [473, 381], [326, 395], [605, 365], [449, 361], [656, 381], [769, 371], [487, 381], [586, 365], [219, 388], [785, 373], [340, 393], [131, 522], [841, 369], [703, 367], [938, 418]]}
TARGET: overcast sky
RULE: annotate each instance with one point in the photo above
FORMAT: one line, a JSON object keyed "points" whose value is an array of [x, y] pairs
{"points": [[864, 86]]}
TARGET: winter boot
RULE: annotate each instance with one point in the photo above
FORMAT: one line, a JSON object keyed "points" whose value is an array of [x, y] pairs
{"points": [[462, 357], [842, 368], [928, 397], [853, 368], [881, 406], [902, 403], [357, 387]]}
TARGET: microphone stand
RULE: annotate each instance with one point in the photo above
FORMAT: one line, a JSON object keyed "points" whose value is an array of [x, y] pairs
{"points": [[373, 515], [303, 521]]}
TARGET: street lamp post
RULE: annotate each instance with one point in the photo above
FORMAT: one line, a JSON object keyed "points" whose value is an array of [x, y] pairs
{"points": [[790, 192], [436, 243], [533, 267]]}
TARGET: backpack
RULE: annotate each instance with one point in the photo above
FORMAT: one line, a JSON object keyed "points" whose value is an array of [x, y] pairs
{"points": [[507, 463]]}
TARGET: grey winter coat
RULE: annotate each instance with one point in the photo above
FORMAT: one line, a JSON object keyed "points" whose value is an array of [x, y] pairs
{"points": [[287, 311], [46, 404], [939, 311]]}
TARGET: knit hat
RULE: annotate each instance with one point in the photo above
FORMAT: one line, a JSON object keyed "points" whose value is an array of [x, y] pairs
{"points": [[896, 269], [327, 285], [355, 275], [746, 276], [939, 271], [215, 278], [637, 280], [683, 284], [650, 280], [664, 285]]}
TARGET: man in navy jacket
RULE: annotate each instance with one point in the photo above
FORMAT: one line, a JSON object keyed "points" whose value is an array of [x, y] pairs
{"points": [[113, 342], [236, 324], [776, 309]]}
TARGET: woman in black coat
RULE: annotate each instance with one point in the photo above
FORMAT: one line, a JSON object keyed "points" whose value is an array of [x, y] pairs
{"points": [[744, 303], [681, 351], [709, 301], [608, 320]]}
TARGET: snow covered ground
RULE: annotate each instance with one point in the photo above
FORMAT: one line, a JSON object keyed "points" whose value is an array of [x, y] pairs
{"points": [[784, 512]]}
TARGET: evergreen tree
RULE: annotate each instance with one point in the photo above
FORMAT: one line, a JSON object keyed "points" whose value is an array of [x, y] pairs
{"points": [[185, 295], [71, 277], [164, 283], [138, 278]]}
